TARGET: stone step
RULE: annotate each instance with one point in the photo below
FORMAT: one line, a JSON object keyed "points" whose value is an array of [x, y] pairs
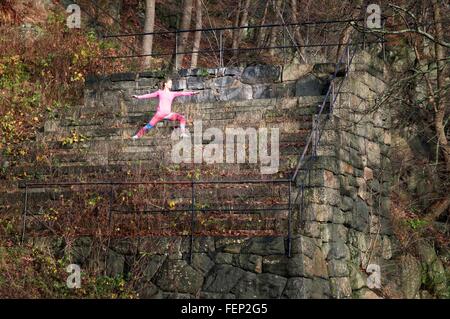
{"points": [[154, 139], [208, 196], [214, 119], [149, 105], [165, 132]]}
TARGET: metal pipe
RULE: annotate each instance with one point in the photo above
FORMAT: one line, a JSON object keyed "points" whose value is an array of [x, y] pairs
{"points": [[24, 215], [188, 209], [192, 222], [176, 51], [233, 28], [238, 49], [221, 48], [198, 182], [289, 243]]}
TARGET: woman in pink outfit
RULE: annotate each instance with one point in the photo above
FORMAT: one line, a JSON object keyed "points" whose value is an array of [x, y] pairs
{"points": [[164, 110]]}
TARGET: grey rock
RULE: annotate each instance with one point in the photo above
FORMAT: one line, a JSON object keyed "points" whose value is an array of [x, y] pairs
{"points": [[304, 245], [360, 215], [277, 265], [338, 250], [151, 264], [347, 203], [230, 245], [179, 84], [202, 262], [320, 288], [260, 74], [115, 264], [177, 275], [298, 288], [338, 268], [265, 246], [410, 275], [330, 69], [262, 286], [243, 92], [203, 245], [236, 71], [212, 295], [81, 250], [366, 294], [223, 258], [263, 91], [176, 295], [358, 280], [248, 262], [435, 271], [195, 83], [122, 77], [340, 287], [222, 278], [310, 86], [294, 71], [221, 82], [147, 290]]}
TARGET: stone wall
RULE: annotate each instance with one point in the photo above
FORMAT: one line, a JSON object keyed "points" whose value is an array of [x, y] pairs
{"points": [[347, 206], [219, 84], [341, 228]]}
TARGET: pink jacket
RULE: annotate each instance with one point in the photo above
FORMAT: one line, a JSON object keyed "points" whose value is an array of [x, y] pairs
{"points": [[165, 99]]}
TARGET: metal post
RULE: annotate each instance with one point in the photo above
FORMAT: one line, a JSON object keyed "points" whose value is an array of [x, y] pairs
{"points": [[315, 132], [192, 222], [289, 243], [111, 194], [24, 215], [284, 46], [383, 39], [333, 97], [221, 48], [364, 31], [302, 187], [176, 50], [348, 61]]}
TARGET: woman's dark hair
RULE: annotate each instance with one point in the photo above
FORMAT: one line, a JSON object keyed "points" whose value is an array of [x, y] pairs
{"points": [[164, 81]]}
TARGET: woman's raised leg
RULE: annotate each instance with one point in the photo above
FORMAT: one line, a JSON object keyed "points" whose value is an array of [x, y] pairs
{"points": [[155, 119]]}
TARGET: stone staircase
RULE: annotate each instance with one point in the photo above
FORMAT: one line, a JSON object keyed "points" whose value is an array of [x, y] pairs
{"points": [[92, 143]]}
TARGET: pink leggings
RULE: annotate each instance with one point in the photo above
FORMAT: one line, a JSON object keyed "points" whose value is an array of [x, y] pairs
{"points": [[158, 117]]}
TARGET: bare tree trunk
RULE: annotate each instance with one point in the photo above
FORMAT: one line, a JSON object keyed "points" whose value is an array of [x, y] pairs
{"points": [[442, 205], [148, 27], [244, 20], [240, 21], [185, 24], [262, 31], [234, 44], [346, 33], [198, 34], [297, 35], [273, 32]]}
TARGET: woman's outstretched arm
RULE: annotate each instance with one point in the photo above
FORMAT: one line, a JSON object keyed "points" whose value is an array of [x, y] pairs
{"points": [[184, 93], [146, 96]]}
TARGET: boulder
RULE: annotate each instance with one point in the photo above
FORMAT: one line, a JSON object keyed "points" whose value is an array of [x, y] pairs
{"points": [[310, 86], [262, 286], [177, 275], [298, 288], [410, 275], [222, 278], [260, 74], [294, 71]]}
